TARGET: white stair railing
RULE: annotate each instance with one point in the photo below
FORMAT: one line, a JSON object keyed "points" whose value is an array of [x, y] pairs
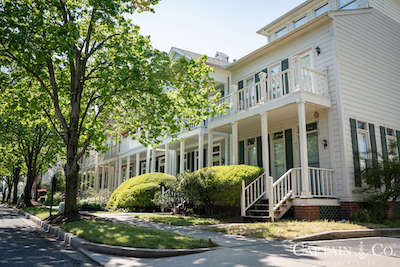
{"points": [[252, 192], [284, 188]]}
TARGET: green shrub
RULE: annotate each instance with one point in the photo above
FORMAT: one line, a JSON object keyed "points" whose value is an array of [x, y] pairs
{"points": [[138, 192], [89, 206], [217, 186]]}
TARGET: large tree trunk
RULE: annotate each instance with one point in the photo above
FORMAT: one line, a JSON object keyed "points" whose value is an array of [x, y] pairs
{"points": [[16, 177], [4, 194], [71, 170], [28, 188], [9, 189]]}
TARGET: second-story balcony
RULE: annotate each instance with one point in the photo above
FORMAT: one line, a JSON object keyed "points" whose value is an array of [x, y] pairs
{"points": [[275, 87]]}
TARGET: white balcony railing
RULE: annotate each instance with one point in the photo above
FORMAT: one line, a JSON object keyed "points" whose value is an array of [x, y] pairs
{"points": [[274, 87]]}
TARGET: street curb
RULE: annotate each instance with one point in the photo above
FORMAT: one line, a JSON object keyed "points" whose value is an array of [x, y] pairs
{"points": [[79, 243], [344, 234]]}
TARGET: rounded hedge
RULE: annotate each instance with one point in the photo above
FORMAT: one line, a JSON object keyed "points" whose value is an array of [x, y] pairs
{"points": [[221, 185], [138, 192]]}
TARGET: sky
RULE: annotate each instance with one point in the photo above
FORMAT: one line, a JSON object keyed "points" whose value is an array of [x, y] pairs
{"points": [[207, 26]]}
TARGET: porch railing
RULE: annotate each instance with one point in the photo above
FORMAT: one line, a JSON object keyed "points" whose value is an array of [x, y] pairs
{"points": [[276, 86], [321, 182], [288, 186]]}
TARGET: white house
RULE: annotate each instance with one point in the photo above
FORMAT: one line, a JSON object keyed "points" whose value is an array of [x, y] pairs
{"points": [[309, 107]]}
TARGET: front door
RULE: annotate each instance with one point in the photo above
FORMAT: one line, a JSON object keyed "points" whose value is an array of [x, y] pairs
{"points": [[312, 149], [279, 155]]}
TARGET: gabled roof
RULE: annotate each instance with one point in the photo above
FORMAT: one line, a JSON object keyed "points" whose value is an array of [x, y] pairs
{"points": [[210, 60]]}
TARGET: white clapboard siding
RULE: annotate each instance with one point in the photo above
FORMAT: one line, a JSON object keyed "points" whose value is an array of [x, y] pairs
{"points": [[368, 57]]}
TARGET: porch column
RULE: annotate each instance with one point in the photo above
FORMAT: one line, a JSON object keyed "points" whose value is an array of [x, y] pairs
{"points": [[201, 151], [110, 177], [148, 151], [167, 163], [128, 167], [235, 143], [303, 150], [153, 160], [210, 148], [182, 158], [119, 172], [103, 178], [115, 180], [96, 178], [226, 161], [137, 164], [265, 145]]}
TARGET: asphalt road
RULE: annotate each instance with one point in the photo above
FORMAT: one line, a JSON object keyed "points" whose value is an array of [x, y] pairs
{"points": [[22, 243]]}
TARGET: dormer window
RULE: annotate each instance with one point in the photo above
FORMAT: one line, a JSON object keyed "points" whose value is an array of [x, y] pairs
{"points": [[281, 32], [321, 10], [299, 22], [348, 4]]}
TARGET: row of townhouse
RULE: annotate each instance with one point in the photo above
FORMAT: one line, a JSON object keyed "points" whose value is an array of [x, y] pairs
{"points": [[309, 107]]}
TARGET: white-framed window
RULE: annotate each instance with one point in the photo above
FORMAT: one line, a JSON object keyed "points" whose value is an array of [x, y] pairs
{"points": [[321, 10], [216, 155], [348, 4], [363, 143], [281, 32], [391, 141], [299, 22], [252, 151]]}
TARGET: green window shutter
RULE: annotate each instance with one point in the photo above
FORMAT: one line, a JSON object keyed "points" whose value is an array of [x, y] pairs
{"points": [[241, 152], [285, 77], [398, 141], [259, 152], [204, 158], [356, 153], [384, 144], [373, 143], [240, 84], [157, 164], [178, 164], [192, 162], [289, 149]]}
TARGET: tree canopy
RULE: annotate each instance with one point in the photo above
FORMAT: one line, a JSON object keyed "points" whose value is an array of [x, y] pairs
{"points": [[96, 73]]}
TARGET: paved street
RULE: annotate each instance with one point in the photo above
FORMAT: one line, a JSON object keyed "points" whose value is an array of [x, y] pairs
{"points": [[22, 243]]}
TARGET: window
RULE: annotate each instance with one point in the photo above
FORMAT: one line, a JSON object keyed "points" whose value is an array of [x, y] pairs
{"points": [[363, 144], [281, 32], [251, 152], [300, 22], [391, 143], [321, 10], [216, 154], [348, 4]]}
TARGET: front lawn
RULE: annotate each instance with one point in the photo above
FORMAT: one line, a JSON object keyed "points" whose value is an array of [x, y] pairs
{"points": [[39, 211], [119, 234], [291, 229], [178, 220]]}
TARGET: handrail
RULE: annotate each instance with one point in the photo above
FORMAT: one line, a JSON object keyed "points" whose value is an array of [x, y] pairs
{"points": [[253, 192]]}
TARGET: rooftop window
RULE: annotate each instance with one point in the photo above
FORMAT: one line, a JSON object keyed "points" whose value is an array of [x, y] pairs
{"points": [[348, 4], [321, 10], [281, 32], [300, 22]]}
